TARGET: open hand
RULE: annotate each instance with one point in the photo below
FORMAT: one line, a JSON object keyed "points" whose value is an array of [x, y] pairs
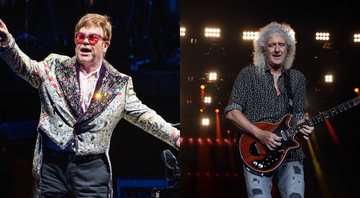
{"points": [[5, 36]]}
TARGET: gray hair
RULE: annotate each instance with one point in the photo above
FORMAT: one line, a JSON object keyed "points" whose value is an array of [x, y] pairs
{"points": [[260, 44]]}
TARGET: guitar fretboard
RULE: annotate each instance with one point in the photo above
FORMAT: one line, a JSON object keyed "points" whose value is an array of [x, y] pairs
{"points": [[325, 115]]}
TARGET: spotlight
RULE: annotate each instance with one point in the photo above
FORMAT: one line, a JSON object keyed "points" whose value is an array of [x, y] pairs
{"points": [[207, 100], [182, 31], [356, 38], [247, 35], [329, 78], [205, 122], [322, 36], [212, 32], [212, 76]]}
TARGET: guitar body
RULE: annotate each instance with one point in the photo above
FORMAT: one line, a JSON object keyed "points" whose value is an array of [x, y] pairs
{"points": [[260, 159], [257, 156]]}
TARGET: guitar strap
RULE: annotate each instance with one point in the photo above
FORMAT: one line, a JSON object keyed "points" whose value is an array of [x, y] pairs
{"points": [[289, 94]]}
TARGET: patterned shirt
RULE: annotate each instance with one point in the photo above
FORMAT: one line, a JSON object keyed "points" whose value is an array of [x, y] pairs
{"points": [[254, 95]]}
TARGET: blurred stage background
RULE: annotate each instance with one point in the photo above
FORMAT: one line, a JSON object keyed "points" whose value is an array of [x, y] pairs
{"points": [[211, 165], [145, 45]]}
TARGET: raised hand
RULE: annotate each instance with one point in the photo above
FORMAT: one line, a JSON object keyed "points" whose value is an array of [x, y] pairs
{"points": [[5, 36]]}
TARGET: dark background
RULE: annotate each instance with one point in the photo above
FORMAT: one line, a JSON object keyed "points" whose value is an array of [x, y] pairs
{"points": [[214, 170], [145, 45]]}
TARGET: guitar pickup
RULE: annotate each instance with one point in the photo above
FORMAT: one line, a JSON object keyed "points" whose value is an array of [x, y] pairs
{"points": [[283, 135]]}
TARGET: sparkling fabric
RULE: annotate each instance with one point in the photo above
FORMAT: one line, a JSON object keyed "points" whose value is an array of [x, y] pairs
{"points": [[62, 119]]}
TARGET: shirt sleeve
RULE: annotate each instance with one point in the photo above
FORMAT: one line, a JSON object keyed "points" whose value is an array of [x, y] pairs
{"points": [[21, 64], [238, 98], [147, 119]]}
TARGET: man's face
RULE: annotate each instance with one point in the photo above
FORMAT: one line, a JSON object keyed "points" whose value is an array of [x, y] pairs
{"points": [[276, 51], [90, 46]]}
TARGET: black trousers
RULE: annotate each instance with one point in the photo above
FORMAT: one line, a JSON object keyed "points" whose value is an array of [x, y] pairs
{"points": [[66, 176]]}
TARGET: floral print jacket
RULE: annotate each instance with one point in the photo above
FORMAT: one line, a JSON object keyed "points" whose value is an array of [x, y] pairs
{"points": [[61, 117]]}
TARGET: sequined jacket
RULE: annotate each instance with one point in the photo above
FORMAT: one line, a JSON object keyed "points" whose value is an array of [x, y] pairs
{"points": [[61, 118]]}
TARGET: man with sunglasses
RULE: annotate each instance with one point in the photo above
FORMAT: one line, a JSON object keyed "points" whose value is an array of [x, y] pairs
{"points": [[82, 100]]}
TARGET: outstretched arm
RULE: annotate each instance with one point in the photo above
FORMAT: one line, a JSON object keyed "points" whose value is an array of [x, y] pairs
{"points": [[30, 70], [147, 119]]}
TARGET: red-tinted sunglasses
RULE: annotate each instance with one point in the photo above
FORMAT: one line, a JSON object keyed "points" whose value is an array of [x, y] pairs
{"points": [[92, 38]]}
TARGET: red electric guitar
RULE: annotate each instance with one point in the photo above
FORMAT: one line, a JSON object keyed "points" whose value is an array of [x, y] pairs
{"points": [[260, 159]]}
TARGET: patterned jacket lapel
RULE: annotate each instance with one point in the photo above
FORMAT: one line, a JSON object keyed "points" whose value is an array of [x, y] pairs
{"points": [[67, 77], [111, 83]]}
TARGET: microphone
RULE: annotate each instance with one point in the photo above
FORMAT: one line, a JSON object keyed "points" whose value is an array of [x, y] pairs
{"points": [[169, 159]]}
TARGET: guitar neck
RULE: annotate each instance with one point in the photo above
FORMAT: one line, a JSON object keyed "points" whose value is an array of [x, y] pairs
{"points": [[327, 114]]}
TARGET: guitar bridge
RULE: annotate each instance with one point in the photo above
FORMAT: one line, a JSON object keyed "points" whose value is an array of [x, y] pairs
{"points": [[254, 150]]}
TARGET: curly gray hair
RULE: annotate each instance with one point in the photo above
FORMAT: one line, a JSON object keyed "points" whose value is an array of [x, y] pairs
{"points": [[260, 44]]}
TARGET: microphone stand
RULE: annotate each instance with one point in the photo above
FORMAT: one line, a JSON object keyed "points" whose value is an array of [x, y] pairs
{"points": [[172, 175], [175, 177], [172, 170]]}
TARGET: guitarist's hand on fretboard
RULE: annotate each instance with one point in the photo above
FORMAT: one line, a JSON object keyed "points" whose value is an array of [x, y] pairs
{"points": [[306, 130]]}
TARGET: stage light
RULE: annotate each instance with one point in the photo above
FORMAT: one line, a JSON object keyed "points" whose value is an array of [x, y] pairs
{"points": [[247, 35], [205, 122], [328, 78], [322, 36], [193, 41], [182, 31], [212, 76], [356, 90], [207, 100], [356, 38], [191, 140], [227, 141], [212, 32], [190, 78]]}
